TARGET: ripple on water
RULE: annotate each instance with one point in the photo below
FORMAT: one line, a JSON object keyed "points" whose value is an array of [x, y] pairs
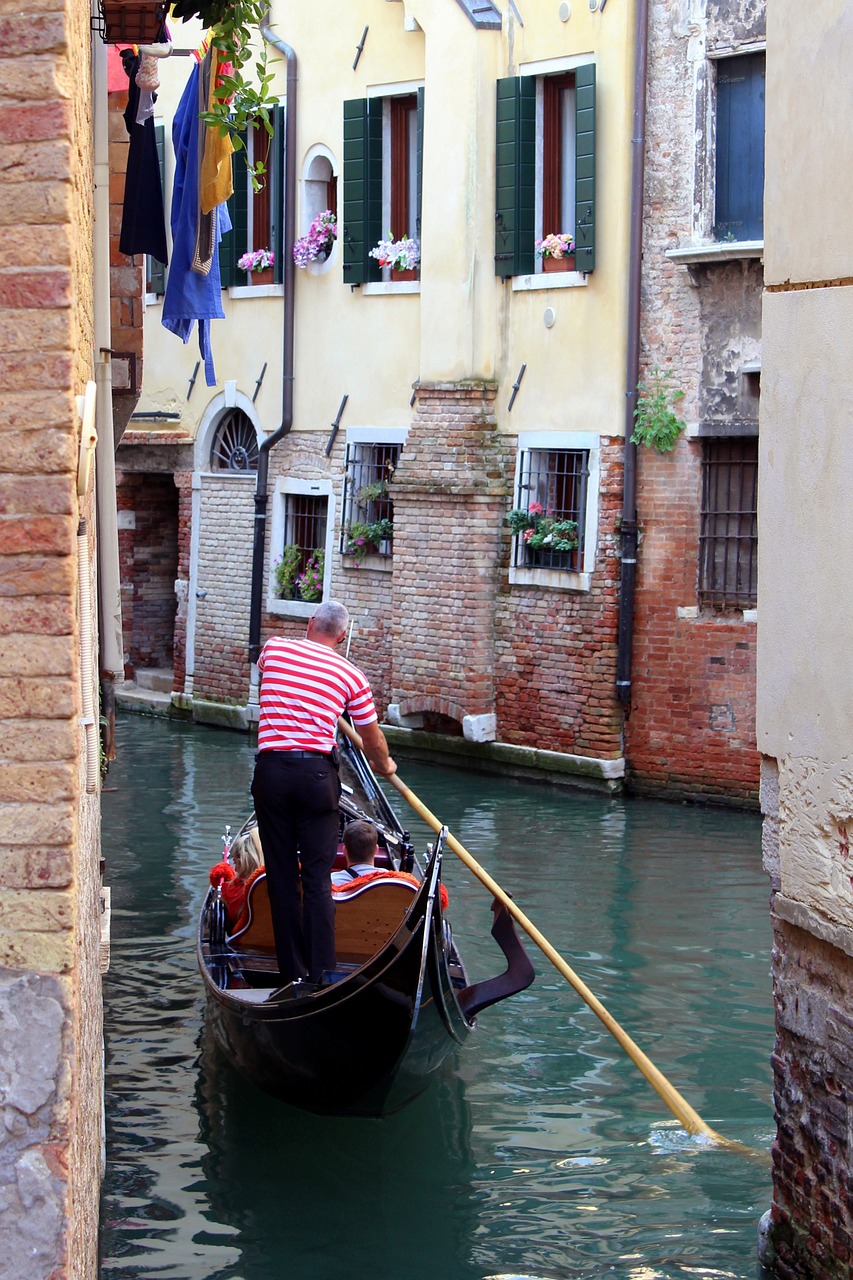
{"points": [[541, 1154]]}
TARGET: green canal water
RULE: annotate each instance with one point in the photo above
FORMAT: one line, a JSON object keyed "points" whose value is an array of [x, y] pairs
{"points": [[541, 1152]]}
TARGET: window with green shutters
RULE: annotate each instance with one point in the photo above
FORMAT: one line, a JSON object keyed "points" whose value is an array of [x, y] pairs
{"points": [[377, 202], [257, 217], [545, 167]]}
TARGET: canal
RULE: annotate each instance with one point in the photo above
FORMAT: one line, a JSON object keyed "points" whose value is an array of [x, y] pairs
{"points": [[542, 1151]]}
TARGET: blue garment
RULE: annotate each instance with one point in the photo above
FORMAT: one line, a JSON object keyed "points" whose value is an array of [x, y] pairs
{"points": [[190, 295]]}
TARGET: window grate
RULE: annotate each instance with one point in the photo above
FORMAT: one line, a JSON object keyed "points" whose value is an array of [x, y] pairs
{"points": [[305, 524], [235, 444], [367, 501], [553, 485], [728, 538]]}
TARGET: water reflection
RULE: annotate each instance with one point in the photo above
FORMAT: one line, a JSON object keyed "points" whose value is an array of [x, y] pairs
{"points": [[541, 1152]]}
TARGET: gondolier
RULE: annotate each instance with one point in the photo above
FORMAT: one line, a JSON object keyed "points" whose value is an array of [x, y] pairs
{"points": [[305, 687]]}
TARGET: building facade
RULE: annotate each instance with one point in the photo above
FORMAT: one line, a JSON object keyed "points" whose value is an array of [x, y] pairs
{"points": [[691, 730], [806, 463], [435, 399]]}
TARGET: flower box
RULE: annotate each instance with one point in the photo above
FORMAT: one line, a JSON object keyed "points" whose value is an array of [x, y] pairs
{"points": [[566, 263], [132, 21], [399, 273], [266, 276]]}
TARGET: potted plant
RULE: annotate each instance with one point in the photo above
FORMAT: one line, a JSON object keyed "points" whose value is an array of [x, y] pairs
{"points": [[309, 583], [132, 21], [286, 570], [373, 492], [365, 538], [543, 534], [318, 241], [258, 265], [557, 252], [402, 256]]}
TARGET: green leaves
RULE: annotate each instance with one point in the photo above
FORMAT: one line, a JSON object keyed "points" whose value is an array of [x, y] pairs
{"points": [[656, 423]]}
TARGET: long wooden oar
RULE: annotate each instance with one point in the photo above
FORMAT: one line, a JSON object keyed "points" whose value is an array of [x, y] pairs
{"points": [[679, 1107]]}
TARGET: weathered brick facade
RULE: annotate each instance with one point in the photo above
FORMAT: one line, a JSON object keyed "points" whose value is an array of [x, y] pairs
{"points": [[148, 558], [690, 731], [50, 1010]]}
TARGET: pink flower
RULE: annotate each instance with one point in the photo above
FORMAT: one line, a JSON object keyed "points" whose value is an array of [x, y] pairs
{"points": [[536, 508]]}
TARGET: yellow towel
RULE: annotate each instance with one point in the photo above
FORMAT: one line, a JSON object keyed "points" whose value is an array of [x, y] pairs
{"points": [[216, 182]]}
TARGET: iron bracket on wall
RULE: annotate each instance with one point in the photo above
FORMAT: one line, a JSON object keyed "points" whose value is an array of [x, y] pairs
{"points": [[258, 383], [335, 425], [193, 378], [359, 47], [515, 387]]}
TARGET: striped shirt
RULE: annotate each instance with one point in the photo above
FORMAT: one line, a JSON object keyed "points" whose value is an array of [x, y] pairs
{"points": [[305, 686]]}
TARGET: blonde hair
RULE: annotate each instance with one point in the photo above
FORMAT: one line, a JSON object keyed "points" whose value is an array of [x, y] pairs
{"points": [[246, 853]]}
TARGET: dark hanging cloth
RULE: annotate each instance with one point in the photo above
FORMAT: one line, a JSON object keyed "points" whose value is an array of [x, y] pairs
{"points": [[143, 222]]}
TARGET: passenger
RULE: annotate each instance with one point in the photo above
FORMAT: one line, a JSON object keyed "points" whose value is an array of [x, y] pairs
{"points": [[234, 877], [360, 844], [305, 687]]}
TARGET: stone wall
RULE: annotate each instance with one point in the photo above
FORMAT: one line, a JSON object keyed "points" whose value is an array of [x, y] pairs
{"points": [[224, 577], [148, 558], [50, 1010]]}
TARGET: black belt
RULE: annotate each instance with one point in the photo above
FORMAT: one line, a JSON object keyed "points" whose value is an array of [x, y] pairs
{"points": [[300, 755]]}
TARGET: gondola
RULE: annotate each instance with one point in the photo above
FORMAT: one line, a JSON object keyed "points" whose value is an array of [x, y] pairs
{"points": [[369, 1038]]}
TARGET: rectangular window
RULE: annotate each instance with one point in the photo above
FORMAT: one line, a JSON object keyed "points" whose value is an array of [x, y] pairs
{"points": [[382, 176], [367, 526], [300, 573], [550, 512], [728, 539], [739, 189], [256, 216], [545, 167]]}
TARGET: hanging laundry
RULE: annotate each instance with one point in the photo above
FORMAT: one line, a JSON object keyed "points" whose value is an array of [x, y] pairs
{"points": [[217, 181], [143, 220], [194, 289]]}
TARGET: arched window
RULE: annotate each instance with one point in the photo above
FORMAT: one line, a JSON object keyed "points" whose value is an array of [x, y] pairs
{"points": [[235, 444]]}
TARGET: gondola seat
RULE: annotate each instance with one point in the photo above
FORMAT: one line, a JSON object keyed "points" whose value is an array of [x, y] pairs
{"points": [[369, 915], [366, 916]]}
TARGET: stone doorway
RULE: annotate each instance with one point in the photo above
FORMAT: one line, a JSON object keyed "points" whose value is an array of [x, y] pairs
{"points": [[148, 552]]}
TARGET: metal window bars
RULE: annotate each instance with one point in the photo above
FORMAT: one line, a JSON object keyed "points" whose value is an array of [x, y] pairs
{"points": [[305, 522], [369, 469], [554, 480], [728, 537]]}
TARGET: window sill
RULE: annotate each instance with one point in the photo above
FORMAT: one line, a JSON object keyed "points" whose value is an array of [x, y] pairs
{"points": [[290, 608], [693, 613], [721, 251], [554, 579], [375, 288], [256, 291], [153, 299], [546, 280]]}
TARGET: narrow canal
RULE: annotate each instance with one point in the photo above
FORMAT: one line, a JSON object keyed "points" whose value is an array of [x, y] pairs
{"points": [[542, 1152]]}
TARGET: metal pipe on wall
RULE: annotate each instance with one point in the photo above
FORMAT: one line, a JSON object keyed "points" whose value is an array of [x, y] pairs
{"points": [[632, 372], [289, 280]]}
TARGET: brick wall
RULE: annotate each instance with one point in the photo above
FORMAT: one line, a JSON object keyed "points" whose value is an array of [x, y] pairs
{"points": [[691, 726], [812, 1210], [148, 559], [691, 730], [50, 1015], [556, 650], [224, 573]]}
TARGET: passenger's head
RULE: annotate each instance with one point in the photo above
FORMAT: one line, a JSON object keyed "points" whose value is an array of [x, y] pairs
{"points": [[245, 855], [328, 623], [360, 841]]}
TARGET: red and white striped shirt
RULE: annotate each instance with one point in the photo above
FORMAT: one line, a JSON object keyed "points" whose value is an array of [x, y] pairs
{"points": [[305, 686]]}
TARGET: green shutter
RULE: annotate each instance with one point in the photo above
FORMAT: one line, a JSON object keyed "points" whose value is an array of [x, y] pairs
{"points": [[362, 188], [235, 242], [515, 176], [585, 167], [420, 174], [276, 181], [156, 282]]}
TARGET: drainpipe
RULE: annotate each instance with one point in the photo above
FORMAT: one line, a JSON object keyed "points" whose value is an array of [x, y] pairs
{"points": [[632, 372], [289, 278]]}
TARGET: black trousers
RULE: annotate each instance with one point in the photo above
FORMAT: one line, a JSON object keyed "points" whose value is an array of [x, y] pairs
{"points": [[296, 802]]}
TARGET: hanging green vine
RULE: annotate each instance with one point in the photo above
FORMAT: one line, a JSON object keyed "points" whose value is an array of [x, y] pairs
{"points": [[243, 98], [656, 424]]}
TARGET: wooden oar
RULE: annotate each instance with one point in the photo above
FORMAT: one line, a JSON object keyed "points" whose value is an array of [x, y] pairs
{"points": [[679, 1107]]}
